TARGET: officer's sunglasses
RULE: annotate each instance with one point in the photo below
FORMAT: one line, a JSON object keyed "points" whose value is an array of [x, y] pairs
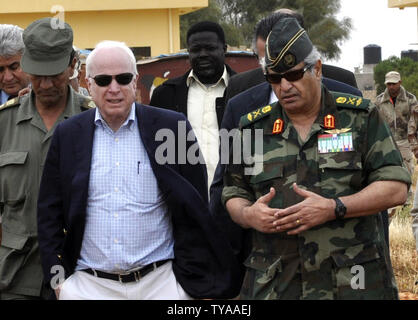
{"points": [[289, 76], [103, 80]]}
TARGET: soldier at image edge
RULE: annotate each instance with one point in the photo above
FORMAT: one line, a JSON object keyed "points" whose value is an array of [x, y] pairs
{"points": [[26, 126]]}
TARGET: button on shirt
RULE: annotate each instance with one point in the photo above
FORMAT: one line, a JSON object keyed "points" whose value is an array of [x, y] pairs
{"points": [[128, 224], [201, 113]]}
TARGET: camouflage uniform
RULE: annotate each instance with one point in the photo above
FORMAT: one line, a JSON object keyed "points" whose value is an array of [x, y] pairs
{"points": [[412, 136], [316, 264], [397, 118]]}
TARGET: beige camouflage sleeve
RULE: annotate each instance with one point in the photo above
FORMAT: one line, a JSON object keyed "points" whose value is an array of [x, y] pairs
{"points": [[413, 125]]}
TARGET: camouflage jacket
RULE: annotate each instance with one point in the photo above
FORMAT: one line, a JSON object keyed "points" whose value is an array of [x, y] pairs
{"points": [[326, 253], [413, 122], [397, 117]]}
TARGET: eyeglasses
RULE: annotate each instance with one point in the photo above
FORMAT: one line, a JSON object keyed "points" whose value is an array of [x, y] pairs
{"points": [[103, 80], [289, 76]]}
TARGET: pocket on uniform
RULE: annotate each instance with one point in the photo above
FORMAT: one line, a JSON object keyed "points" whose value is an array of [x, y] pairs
{"points": [[9, 158], [12, 256], [12, 176], [271, 176], [359, 272], [259, 279], [270, 171], [13, 241], [340, 172]]}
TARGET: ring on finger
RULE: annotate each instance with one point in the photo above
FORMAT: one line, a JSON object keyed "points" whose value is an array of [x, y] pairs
{"points": [[297, 221]]}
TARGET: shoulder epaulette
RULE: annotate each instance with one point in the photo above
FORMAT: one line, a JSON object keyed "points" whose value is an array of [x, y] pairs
{"points": [[344, 100], [255, 115], [11, 103]]}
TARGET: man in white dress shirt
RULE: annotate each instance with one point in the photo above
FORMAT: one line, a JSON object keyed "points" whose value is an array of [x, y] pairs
{"points": [[199, 92]]}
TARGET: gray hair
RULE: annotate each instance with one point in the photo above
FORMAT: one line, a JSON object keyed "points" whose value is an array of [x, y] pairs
{"points": [[110, 44], [11, 42], [310, 59]]}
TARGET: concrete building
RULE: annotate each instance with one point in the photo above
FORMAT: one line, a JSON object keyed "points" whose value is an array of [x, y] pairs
{"points": [[372, 55], [150, 28]]}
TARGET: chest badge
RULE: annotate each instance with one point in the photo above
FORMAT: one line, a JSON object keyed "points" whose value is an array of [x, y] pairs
{"points": [[278, 126], [329, 121]]}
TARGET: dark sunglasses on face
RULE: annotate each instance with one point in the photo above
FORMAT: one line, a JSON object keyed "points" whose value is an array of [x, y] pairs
{"points": [[103, 80], [289, 76]]}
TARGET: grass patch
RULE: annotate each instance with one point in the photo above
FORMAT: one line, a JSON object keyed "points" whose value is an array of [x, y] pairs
{"points": [[403, 252]]}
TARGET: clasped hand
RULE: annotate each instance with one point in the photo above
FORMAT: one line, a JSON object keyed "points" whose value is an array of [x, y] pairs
{"points": [[312, 211]]}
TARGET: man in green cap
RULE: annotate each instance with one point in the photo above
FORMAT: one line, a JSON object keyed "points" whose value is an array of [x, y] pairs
{"points": [[26, 126], [328, 166]]}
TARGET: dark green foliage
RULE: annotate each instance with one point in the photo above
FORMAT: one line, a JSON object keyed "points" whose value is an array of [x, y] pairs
{"points": [[238, 18], [408, 69]]}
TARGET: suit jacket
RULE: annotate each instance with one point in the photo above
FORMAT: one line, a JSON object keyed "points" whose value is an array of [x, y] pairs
{"points": [[172, 94], [243, 103], [203, 264], [243, 81]]}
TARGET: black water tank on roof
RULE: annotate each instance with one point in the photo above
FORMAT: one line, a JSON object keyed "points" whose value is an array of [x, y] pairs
{"points": [[372, 54], [413, 54]]}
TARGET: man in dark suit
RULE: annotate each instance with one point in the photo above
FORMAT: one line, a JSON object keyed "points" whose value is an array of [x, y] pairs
{"points": [[199, 92], [118, 215]]}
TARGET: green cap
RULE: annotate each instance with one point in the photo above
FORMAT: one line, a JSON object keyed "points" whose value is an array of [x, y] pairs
{"points": [[287, 45], [48, 46]]}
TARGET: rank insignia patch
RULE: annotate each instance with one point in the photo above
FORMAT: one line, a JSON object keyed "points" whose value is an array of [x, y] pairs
{"points": [[329, 121], [278, 126]]}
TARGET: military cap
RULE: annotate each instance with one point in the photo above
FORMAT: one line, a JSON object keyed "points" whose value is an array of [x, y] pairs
{"points": [[48, 46], [287, 45], [392, 77]]}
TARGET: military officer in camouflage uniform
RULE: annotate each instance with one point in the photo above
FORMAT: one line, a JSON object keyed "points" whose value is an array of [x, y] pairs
{"points": [[26, 127], [328, 166]]}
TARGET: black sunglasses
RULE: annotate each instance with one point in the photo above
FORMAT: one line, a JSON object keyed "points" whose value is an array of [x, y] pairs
{"points": [[103, 80], [289, 76]]}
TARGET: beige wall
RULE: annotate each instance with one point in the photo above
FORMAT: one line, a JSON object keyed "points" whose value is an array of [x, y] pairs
{"points": [[139, 26], [402, 3], [24, 6]]}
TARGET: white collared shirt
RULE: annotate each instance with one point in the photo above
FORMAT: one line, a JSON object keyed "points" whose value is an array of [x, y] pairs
{"points": [[201, 113]]}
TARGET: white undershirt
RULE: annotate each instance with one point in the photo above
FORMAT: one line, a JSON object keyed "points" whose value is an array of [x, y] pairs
{"points": [[273, 97]]}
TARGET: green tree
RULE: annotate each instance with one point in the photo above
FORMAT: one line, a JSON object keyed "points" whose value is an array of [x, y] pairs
{"points": [[244, 14], [238, 18], [408, 69], [212, 13]]}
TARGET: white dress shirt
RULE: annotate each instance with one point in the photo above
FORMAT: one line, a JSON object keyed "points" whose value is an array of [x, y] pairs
{"points": [[201, 113]]}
